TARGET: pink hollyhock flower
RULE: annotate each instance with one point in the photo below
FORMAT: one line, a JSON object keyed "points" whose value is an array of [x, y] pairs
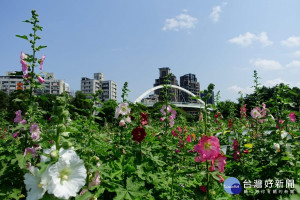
{"points": [[221, 178], [208, 148], [264, 110], [172, 123], [41, 80], [30, 150], [18, 117], [179, 129], [219, 162], [35, 131], [243, 111], [24, 67], [255, 113], [122, 109], [280, 122], [162, 119], [42, 62], [23, 55], [235, 144], [122, 122], [203, 188], [96, 180], [292, 117], [177, 151], [189, 139], [163, 109], [144, 118], [23, 121], [173, 115], [138, 134], [15, 135]]}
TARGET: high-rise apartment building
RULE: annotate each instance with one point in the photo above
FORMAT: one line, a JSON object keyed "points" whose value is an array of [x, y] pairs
{"points": [[163, 72], [190, 83], [12, 81], [108, 87]]}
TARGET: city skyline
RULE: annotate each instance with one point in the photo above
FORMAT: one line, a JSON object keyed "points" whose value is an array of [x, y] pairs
{"points": [[221, 42]]}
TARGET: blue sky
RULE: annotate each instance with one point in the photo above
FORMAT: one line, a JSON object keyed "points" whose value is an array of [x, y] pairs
{"points": [[222, 42]]}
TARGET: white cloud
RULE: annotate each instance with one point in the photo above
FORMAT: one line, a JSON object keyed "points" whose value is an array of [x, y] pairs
{"points": [[184, 10], [266, 64], [235, 88], [272, 83], [294, 64], [248, 38], [296, 54], [182, 21], [215, 13], [291, 42]]}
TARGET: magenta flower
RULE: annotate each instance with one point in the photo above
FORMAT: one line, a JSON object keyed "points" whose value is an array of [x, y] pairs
{"points": [[23, 121], [246, 151], [15, 135], [221, 178], [177, 151], [35, 131], [203, 188], [41, 80], [235, 144], [208, 148], [237, 155], [292, 117], [219, 163], [42, 62], [30, 150], [18, 117], [144, 118], [189, 139]]}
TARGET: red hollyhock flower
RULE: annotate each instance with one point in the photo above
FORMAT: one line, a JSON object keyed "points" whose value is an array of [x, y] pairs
{"points": [[138, 134], [230, 123], [235, 144], [203, 188], [144, 118]]}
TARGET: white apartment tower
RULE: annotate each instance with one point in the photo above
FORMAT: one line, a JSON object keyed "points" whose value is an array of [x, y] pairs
{"points": [[109, 88], [12, 82]]}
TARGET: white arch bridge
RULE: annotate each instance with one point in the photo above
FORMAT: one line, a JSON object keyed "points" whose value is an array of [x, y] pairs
{"points": [[200, 103]]}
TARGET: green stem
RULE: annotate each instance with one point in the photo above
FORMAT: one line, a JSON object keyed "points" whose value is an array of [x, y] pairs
{"points": [[207, 177]]}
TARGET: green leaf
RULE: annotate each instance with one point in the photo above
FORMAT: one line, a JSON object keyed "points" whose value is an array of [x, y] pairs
{"points": [[40, 47], [22, 36], [85, 196], [133, 191]]}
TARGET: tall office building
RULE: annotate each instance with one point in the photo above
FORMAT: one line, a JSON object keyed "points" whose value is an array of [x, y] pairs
{"points": [[13, 81], [108, 87], [163, 72], [190, 83]]}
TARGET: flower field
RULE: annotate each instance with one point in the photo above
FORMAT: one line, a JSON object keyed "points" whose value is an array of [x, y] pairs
{"points": [[63, 147]]}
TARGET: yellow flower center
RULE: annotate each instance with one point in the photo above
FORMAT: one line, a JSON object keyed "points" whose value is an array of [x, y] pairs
{"points": [[64, 174], [207, 146]]}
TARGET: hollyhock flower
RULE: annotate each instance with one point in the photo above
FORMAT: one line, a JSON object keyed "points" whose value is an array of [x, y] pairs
{"points": [[280, 122], [179, 129], [96, 180], [177, 151], [122, 123], [219, 162], [131, 117], [33, 183], [173, 115], [138, 134], [122, 109], [264, 110], [172, 123], [243, 111], [23, 55], [235, 144], [144, 118], [35, 131], [255, 113], [67, 177], [42, 62], [292, 117], [161, 119], [237, 155], [23, 121], [127, 119], [41, 80], [18, 117], [163, 109], [208, 148], [230, 123], [15, 135], [203, 188], [31, 151], [24, 67], [189, 139], [221, 178], [246, 151], [174, 133]]}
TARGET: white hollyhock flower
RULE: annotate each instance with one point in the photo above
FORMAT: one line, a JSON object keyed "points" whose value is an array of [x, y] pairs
{"points": [[122, 109], [67, 176], [276, 146], [65, 154], [35, 184]]}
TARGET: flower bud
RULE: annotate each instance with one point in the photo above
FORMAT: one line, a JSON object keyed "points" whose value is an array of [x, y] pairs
{"points": [[54, 154], [66, 145], [61, 128]]}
